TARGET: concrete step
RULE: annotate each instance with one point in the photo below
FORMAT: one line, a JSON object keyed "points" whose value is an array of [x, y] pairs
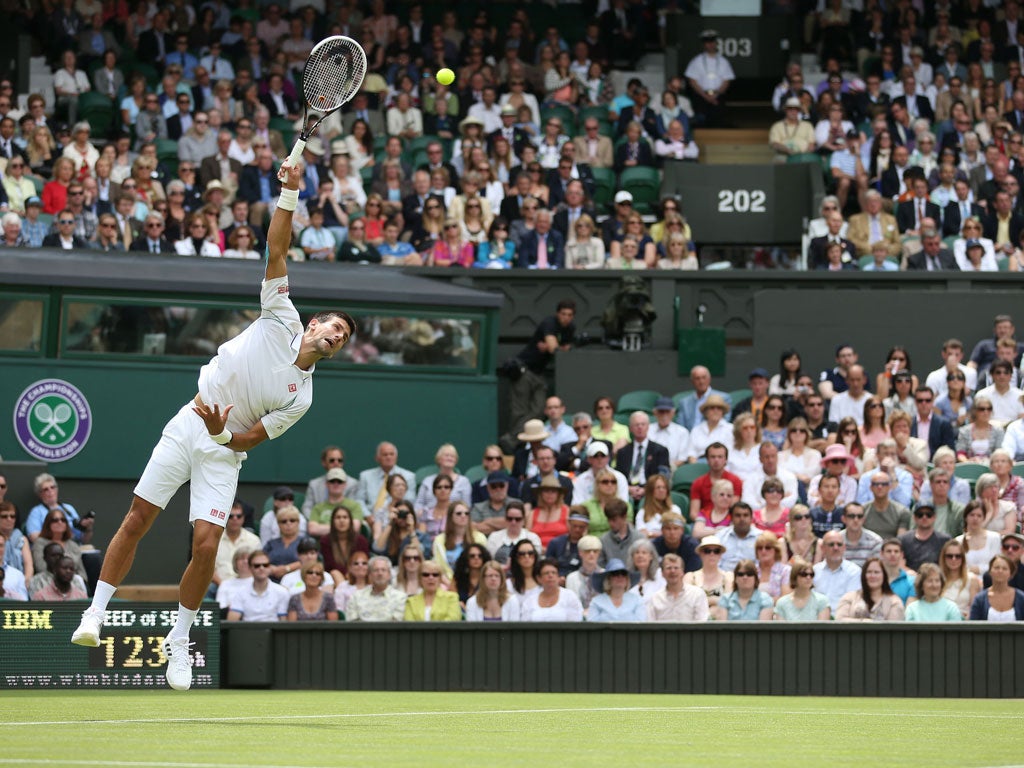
{"points": [[733, 146]]}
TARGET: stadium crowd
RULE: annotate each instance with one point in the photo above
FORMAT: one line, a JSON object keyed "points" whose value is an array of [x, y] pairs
{"points": [[918, 121], [166, 124], [804, 497]]}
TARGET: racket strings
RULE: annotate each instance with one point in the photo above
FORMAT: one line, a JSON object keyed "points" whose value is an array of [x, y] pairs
{"points": [[332, 76]]}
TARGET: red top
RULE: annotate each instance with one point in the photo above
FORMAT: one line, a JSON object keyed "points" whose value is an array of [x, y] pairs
{"points": [[548, 531], [330, 563], [701, 489]]}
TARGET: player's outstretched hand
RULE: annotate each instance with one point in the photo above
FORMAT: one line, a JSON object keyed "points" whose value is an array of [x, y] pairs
{"points": [[214, 418], [290, 175]]}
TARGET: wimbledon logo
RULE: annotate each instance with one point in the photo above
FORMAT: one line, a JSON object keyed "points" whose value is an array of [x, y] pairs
{"points": [[52, 420]]}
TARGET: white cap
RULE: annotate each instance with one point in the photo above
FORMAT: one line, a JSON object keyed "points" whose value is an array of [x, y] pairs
{"points": [[623, 197]]}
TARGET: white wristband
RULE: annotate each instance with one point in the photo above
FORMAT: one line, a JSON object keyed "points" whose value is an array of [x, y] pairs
{"points": [[223, 438], [288, 200]]}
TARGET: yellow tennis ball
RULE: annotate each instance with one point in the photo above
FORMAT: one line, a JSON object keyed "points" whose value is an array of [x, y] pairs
{"points": [[445, 76]]}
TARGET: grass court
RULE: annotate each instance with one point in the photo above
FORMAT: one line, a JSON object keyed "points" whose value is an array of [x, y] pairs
{"points": [[303, 729]]}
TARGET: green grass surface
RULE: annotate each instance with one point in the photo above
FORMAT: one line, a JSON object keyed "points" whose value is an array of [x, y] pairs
{"points": [[201, 729]]}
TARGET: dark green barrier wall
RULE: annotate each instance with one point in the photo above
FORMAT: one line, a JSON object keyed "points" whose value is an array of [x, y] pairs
{"points": [[132, 401], [952, 660]]}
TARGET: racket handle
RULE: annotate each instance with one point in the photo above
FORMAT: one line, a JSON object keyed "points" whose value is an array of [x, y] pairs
{"points": [[296, 154]]}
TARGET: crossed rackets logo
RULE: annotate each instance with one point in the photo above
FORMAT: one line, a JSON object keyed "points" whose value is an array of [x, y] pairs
{"points": [[52, 420]]}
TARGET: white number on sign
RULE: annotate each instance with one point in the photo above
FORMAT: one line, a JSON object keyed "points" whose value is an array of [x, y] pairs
{"points": [[737, 47], [741, 201]]}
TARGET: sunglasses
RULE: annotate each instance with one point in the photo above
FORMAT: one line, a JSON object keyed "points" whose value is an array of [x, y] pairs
{"points": [[924, 514], [808, 574], [260, 565], [411, 557], [798, 517], [515, 519], [954, 556], [746, 573], [713, 551]]}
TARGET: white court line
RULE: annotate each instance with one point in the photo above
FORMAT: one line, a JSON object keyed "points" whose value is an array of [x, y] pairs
{"points": [[562, 710], [144, 764]]}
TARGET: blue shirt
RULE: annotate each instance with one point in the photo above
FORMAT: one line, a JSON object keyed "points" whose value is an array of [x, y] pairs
{"points": [[36, 516], [603, 609], [887, 266], [901, 491], [736, 612], [903, 587]]}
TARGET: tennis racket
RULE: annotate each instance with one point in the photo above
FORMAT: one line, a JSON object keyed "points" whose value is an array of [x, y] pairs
{"points": [[334, 72]]}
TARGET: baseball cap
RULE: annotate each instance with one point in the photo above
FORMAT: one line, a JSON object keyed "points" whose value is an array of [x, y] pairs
{"points": [[597, 448], [283, 492], [337, 473], [623, 197]]}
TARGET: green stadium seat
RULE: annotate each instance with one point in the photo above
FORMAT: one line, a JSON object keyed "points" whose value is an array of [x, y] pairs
{"points": [[423, 472], [1018, 469], [565, 114], [1003, 263], [739, 394], [476, 473], [863, 261], [684, 476], [601, 113], [639, 400], [643, 183], [166, 149], [604, 186], [804, 157], [268, 504], [970, 472]]}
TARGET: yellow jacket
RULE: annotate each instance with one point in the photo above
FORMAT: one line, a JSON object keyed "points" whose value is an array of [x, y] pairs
{"points": [[446, 607]]}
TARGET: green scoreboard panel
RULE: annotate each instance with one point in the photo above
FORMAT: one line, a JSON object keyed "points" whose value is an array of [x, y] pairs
{"points": [[36, 649]]}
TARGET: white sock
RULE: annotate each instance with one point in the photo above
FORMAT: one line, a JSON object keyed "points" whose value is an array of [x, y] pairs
{"points": [[186, 617], [102, 595]]}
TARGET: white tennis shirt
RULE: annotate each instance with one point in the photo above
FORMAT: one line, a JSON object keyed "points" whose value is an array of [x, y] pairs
{"points": [[256, 370]]}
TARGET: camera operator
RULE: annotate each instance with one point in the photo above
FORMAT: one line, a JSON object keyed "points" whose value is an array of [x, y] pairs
{"points": [[528, 390], [399, 533], [46, 489]]}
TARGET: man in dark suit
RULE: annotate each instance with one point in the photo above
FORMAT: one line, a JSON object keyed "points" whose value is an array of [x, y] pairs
{"points": [[911, 213], [900, 125], [572, 207], [817, 250], [543, 247], [958, 210], [1003, 213], [892, 177], [435, 159], [511, 205], [154, 240], [640, 112], [181, 121], [516, 137], [932, 257], [156, 42], [633, 151], [939, 430], [65, 236], [278, 101], [642, 458], [253, 175]]}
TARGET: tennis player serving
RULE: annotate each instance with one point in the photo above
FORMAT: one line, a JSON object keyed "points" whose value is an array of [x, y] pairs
{"points": [[259, 384]]}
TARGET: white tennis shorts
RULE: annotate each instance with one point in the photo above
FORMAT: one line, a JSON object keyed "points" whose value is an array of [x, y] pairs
{"points": [[186, 452]]}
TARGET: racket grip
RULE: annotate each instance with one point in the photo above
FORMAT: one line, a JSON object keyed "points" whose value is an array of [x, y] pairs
{"points": [[296, 154]]}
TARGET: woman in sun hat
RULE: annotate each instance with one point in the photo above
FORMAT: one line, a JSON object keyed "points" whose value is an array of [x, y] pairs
{"points": [[614, 602]]}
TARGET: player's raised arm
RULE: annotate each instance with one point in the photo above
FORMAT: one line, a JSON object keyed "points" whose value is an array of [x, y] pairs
{"points": [[279, 236]]}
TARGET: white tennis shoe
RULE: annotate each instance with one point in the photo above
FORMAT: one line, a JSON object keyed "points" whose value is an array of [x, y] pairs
{"points": [[179, 662], [88, 632]]}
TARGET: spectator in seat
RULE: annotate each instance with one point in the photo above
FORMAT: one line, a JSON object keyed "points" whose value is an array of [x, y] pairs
{"points": [[676, 144], [634, 151], [817, 251], [847, 169], [874, 225], [933, 256], [690, 413], [544, 247], [791, 135], [912, 214], [593, 148]]}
